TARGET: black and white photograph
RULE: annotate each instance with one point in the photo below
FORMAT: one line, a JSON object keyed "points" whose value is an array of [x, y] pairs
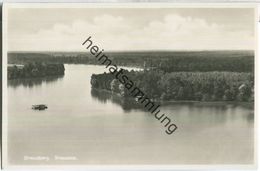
{"points": [[129, 84]]}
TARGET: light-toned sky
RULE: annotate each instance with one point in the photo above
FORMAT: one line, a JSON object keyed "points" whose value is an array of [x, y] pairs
{"points": [[64, 29]]}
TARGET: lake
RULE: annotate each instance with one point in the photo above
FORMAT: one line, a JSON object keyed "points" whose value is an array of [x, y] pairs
{"points": [[82, 126]]}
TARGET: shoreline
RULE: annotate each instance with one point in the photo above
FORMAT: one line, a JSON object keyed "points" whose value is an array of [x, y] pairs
{"points": [[180, 101]]}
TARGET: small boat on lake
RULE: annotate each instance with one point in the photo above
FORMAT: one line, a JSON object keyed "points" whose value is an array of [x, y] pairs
{"points": [[39, 107]]}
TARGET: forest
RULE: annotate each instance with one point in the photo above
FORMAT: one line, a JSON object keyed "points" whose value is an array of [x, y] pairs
{"points": [[235, 61], [35, 69], [180, 75], [183, 86]]}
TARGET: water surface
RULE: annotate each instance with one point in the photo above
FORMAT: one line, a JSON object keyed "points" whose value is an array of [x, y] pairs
{"points": [[87, 127]]}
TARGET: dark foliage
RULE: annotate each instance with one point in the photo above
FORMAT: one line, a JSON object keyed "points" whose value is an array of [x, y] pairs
{"points": [[234, 61], [30, 70], [197, 86]]}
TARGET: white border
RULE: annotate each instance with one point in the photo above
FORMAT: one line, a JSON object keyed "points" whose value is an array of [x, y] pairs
{"points": [[6, 6], [4, 86]]}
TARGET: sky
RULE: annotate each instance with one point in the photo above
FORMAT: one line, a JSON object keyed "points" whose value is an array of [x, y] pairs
{"points": [[130, 29]]}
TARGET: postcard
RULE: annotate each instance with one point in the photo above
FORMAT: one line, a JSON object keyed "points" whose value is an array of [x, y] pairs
{"points": [[145, 85]]}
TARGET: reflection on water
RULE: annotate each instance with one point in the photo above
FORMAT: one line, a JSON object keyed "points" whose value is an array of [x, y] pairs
{"points": [[127, 104], [222, 110], [30, 82], [93, 126]]}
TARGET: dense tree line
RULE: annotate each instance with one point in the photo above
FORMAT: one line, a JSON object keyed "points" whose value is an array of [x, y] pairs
{"points": [[234, 61], [34, 70], [197, 86], [181, 75]]}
